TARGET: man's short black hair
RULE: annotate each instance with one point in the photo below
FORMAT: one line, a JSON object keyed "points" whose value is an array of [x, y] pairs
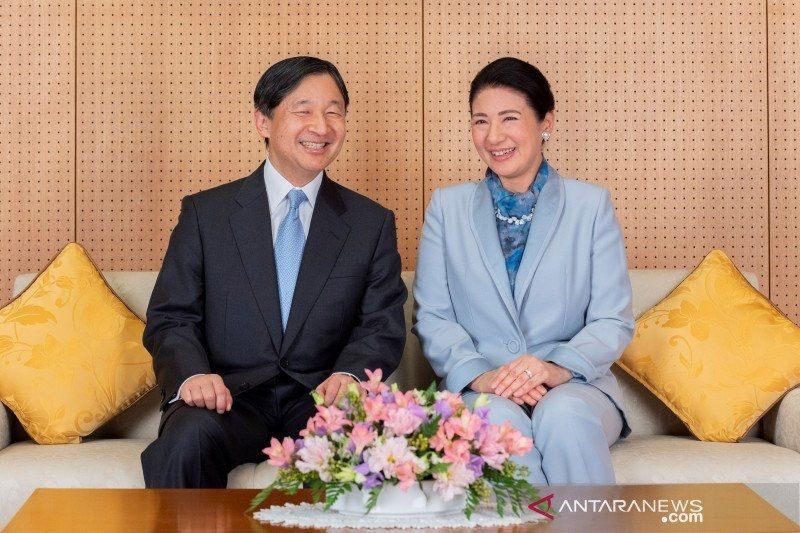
{"points": [[520, 76], [281, 78]]}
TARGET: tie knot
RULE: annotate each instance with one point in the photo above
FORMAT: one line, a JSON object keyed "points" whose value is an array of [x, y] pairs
{"points": [[296, 197]]}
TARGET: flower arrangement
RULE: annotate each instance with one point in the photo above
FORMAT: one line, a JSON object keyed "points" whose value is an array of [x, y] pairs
{"points": [[377, 435]]}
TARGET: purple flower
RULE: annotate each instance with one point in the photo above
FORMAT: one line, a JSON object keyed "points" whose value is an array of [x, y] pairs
{"points": [[475, 464], [417, 410], [298, 444], [372, 480], [443, 408], [387, 396]]}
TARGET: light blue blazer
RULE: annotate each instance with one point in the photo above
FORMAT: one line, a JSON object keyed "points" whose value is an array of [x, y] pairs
{"points": [[572, 298]]}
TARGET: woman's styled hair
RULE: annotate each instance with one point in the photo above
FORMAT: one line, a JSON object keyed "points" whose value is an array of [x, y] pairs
{"points": [[281, 78], [519, 76]]}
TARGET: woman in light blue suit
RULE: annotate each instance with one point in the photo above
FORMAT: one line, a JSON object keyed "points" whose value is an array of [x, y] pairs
{"points": [[522, 288]]}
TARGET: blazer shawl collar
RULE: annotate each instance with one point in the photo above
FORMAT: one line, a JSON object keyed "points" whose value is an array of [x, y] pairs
{"points": [[485, 232], [326, 236], [549, 207], [252, 231]]}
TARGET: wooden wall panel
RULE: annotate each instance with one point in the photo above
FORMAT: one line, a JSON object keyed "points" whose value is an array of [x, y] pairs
{"points": [[37, 167], [165, 94], [784, 161], [663, 103]]}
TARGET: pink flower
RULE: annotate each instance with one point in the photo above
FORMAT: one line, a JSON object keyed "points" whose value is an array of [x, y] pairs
{"points": [[457, 451], [465, 425], [326, 421], [385, 457], [314, 456], [439, 440], [279, 454], [401, 421], [374, 408], [333, 418], [406, 473], [453, 482], [374, 385], [514, 442], [362, 435], [453, 400], [491, 447]]}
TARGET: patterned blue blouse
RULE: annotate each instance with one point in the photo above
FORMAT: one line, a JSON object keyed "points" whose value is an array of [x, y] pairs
{"points": [[514, 236]]}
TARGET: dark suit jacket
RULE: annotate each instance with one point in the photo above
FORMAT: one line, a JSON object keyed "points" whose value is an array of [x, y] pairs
{"points": [[215, 306]]}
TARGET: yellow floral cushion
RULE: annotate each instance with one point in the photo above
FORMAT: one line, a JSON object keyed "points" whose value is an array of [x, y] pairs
{"points": [[71, 353], [715, 351]]}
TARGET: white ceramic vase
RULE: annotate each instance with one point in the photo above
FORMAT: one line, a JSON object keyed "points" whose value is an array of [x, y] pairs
{"points": [[395, 502]]}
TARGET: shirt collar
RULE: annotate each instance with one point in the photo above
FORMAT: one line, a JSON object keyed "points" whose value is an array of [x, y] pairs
{"points": [[278, 187], [501, 195]]}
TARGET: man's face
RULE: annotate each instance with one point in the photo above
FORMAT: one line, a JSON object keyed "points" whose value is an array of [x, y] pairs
{"points": [[307, 129]]}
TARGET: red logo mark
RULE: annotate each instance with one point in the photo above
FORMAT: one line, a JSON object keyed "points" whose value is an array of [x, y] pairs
{"points": [[535, 506]]}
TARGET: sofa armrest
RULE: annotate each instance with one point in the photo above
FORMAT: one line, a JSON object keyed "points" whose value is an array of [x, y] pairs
{"points": [[5, 427], [782, 422]]}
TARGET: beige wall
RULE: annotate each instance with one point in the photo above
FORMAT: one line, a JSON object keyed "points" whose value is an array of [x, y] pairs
{"points": [[112, 111]]}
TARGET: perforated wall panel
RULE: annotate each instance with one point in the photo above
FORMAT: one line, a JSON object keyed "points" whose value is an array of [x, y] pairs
{"points": [[165, 93], [784, 143], [663, 103], [37, 134]]}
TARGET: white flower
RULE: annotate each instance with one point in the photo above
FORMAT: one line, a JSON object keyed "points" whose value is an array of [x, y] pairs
{"points": [[314, 457]]}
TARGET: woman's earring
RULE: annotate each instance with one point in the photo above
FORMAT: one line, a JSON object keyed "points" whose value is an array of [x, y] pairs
{"points": [[545, 135]]}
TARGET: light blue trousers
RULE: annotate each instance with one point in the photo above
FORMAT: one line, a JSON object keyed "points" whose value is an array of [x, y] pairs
{"points": [[572, 427]]}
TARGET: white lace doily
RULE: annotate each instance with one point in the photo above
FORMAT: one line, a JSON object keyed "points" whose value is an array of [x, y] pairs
{"points": [[313, 515]]}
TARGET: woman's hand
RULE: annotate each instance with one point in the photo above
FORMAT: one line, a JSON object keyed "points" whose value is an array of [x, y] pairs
{"points": [[525, 374], [483, 383]]}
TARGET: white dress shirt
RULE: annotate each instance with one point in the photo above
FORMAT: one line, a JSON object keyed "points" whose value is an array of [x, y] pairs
{"points": [[278, 189]]}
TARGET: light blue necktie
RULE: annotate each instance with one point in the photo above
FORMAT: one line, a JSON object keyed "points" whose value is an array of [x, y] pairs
{"points": [[289, 251]]}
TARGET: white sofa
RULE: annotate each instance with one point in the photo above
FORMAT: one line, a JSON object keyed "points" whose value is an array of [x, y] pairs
{"points": [[660, 449]]}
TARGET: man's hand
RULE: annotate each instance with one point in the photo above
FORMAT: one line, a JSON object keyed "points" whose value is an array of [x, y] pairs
{"points": [[333, 388], [207, 391]]}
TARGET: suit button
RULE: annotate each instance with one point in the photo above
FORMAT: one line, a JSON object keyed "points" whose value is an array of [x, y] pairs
{"points": [[513, 346], [244, 386], [284, 362]]}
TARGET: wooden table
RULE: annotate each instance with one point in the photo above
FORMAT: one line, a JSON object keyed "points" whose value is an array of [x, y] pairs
{"points": [[728, 508]]}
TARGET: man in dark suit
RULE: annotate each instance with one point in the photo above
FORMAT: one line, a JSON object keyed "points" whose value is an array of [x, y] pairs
{"points": [[272, 286]]}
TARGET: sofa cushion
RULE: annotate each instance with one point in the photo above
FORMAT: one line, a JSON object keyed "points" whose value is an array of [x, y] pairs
{"points": [[102, 463], [71, 352], [672, 459], [715, 351]]}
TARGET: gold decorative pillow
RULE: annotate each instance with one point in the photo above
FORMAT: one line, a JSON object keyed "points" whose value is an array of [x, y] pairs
{"points": [[715, 351], [71, 353]]}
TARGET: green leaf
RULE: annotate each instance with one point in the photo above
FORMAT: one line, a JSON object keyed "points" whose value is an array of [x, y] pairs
{"points": [[333, 491], [372, 501], [260, 497], [429, 428], [439, 468]]}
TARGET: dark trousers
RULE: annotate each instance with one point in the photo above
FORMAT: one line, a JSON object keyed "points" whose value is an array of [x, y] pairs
{"points": [[198, 447]]}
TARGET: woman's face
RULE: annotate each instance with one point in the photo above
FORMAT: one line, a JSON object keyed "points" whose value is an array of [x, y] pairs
{"points": [[508, 134]]}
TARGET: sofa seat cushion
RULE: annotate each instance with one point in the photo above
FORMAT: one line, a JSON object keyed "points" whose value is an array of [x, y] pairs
{"points": [[675, 459], [102, 463]]}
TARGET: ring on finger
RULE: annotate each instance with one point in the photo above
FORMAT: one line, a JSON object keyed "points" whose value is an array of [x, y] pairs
{"points": [[528, 373]]}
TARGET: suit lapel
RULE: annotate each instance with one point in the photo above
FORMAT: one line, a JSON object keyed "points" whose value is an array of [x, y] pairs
{"points": [[549, 207], [252, 231], [326, 236], [484, 229]]}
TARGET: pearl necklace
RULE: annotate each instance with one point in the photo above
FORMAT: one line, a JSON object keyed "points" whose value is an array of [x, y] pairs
{"points": [[514, 220]]}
